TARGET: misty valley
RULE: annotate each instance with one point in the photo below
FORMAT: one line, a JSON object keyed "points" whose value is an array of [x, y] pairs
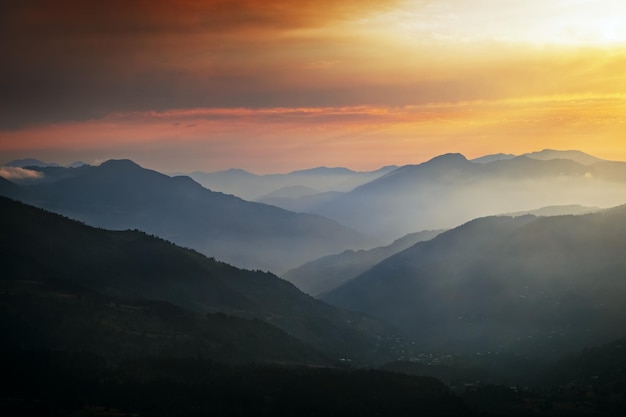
{"points": [[489, 287]]}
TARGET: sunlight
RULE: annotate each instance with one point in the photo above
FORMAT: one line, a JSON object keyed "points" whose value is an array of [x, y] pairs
{"points": [[536, 22]]}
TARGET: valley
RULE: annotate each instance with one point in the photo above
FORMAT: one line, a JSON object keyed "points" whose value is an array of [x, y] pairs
{"points": [[118, 262]]}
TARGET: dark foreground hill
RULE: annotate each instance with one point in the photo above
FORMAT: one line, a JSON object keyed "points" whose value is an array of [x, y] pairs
{"points": [[104, 323], [44, 315], [43, 384], [56, 262], [525, 285]]}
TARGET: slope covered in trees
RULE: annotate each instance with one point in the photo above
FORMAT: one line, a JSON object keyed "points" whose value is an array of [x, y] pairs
{"points": [[540, 286], [131, 267]]}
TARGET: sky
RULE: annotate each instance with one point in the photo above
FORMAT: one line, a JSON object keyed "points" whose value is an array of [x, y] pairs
{"points": [[278, 85]]}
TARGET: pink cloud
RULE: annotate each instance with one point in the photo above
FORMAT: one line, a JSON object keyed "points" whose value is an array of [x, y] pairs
{"points": [[17, 174]]}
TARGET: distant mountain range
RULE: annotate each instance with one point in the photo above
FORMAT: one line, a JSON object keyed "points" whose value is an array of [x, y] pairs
{"points": [[258, 187], [329, 272], [322, 275], [114, 282], [120, 194], [571, 209], [544, 155], [313, 190], [450, 190], [523, 285], [32, 162], [55, 268]]}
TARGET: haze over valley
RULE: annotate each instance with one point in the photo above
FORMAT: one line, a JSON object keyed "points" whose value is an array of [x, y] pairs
{"points": [[313, 208], [541, 280]]}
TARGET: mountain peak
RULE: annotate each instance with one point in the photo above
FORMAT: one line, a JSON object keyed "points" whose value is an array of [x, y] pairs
{"points": [[119, 163], [448, 161], [449, 157], [493, 157], [77, 164]]}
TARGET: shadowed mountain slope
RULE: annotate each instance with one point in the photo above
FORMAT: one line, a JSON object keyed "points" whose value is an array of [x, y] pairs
{"points": [[7, 187], [522, 285], [329, 272], [131, 266], [48, 314]]}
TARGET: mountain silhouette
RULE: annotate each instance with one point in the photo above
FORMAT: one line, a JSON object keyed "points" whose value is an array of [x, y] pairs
{"points": [[522, 285], [573, 155], [329, 272], [26, 162], [131, 267], [254, 187], [7, 187], [120, 194], [493, 157], [544, 155], [449, 190]]}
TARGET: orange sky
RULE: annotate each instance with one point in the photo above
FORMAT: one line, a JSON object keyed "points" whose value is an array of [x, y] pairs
{"points": [[280, 85]]}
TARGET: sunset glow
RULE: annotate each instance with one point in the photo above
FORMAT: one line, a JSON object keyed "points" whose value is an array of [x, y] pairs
{"points": [[276, 86]]}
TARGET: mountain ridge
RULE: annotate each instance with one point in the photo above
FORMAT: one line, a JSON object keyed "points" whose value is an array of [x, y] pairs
{"points": [[119, 194], [132, 266], [529, 285], [449, 190], [322, 275]]}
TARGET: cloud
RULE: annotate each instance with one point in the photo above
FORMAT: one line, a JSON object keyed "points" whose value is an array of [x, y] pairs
{"points": [[17, 174], [73, 60], [76, 60], [361, 137], [123, 17]]}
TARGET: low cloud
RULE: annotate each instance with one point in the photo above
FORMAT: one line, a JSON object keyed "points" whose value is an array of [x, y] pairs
{"points": [[17, 174]]}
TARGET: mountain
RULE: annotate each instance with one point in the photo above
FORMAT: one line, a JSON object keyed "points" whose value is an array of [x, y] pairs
{"points": [[602, 368], [493, 157], [46, 313], [544, 155], [120, 194], [522, 285], [7, 187], [302, 204], [525, 168], [449, 190], [329, 272], [323, 171], [297, 198], [77, 164], [292, 191], [254, 187], [62, 384], [30, 162], [572, 209], [610, 170], [573, 155], [131, 268]]}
